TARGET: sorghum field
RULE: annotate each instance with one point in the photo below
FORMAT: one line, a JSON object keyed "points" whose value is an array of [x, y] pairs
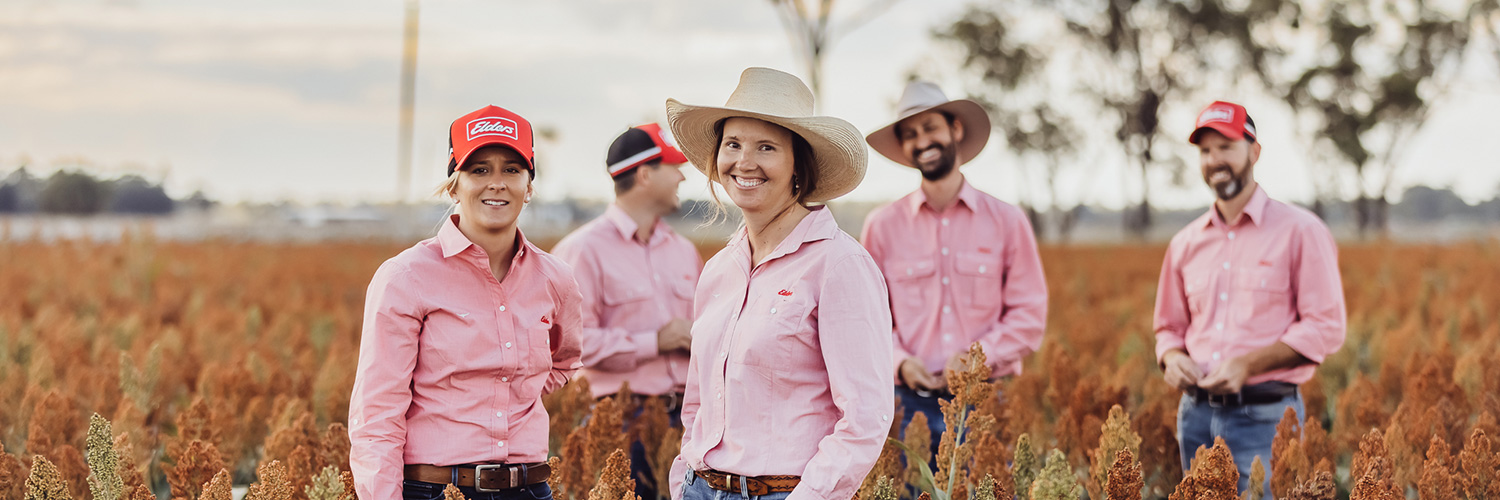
{"points": [[144, 368]]}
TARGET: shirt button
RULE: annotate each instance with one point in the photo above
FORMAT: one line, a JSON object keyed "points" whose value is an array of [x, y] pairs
{"points": [[502, 308], [505, 379], [947, 309], [885, 418], [947, 337], [945, 280], [981, 269], [1231, 235], [1216, 356], [773, 310], [500, 414], [1219, 326], [908, 271], [945, 250], [1226, 265], [507, 345], [1223, 296], [945, 221], [500, 444], [719, 395]]}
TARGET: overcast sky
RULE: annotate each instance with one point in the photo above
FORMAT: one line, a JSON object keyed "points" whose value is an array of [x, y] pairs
{"points": [[297, 99]]}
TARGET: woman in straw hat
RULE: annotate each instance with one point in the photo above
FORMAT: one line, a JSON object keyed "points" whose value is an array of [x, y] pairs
{"points": [[788, 387], [463, 334]]}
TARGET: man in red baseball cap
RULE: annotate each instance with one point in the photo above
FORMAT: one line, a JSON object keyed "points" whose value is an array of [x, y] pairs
{"points": [[637, 278], [1249, 302]]}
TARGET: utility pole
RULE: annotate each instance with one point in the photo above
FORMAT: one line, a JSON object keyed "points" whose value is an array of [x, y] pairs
{"points": [[408, 98]]}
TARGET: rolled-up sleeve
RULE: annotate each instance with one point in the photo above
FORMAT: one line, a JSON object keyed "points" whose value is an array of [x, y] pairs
{"points": [[382, 383], [1172, 315], [853, 320], [1319, 327]]}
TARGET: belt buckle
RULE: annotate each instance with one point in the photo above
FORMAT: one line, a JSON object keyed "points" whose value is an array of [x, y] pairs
{"points": [[479, 472], [1222, 400]]}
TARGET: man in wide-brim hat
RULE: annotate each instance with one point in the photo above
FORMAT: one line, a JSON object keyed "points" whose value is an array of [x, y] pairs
{"points": [[961, 265]]}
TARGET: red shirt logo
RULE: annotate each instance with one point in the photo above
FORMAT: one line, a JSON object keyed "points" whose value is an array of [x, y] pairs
{"points": [[545, 321], [784, 293]]}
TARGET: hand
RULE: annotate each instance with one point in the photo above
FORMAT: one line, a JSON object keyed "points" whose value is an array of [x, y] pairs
{"points": [[959, 363], [675, 335], [1180, 371], [916, 376], [1227, 378]]}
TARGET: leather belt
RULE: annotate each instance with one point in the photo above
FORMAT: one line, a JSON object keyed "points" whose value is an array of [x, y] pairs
{"points": [[1258, 394], [757, 486], [490, 477]]}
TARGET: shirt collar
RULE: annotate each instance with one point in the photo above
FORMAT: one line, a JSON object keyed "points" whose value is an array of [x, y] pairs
{"points": [[1255, 210], [967, 197], [453, 241], [627, 226], [818, 225]]}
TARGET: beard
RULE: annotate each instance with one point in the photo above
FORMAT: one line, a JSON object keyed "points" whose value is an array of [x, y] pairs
{"points": [[946, 162], [1232, 186]]}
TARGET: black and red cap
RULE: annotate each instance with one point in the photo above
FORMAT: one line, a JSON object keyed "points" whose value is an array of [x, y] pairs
{"points": [[640, 145], [1225, 118], [489, 126]]}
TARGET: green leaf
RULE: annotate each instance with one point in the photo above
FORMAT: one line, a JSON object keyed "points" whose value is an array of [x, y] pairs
{"points": [[927, 480]]}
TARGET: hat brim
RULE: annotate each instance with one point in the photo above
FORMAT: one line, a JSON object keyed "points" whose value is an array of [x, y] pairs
{"points": [[976, 124], [458, 163], [840, 158]]}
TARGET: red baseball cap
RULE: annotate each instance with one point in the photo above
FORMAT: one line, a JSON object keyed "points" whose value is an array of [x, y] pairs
{"points": [[640, 145], [490, 125], [1225, 118]]}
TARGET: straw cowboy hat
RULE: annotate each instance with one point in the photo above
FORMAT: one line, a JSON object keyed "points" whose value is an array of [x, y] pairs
{"points": [[926, 96], [779, 98]]}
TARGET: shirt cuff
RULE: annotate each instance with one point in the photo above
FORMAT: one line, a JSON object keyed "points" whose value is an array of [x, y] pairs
{"points": [[1166, 342], [645, 346]]}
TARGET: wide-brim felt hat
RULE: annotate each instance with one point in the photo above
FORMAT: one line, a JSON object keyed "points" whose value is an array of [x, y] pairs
{"points": [[780, 98], [926, 96]]}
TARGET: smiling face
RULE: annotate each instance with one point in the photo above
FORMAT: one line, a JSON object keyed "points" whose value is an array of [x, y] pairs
{"points": [[1228, 165], [493, 185], [756, 165], [931, 140]]}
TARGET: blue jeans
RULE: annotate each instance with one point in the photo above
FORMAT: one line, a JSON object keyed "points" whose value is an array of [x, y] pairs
{"points": [[1247, 430], [640, 464], [695, 488], [912, 402], [418, 490]]}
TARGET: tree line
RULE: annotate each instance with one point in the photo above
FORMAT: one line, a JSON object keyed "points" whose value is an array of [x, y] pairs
{"points": [[74, 192]]}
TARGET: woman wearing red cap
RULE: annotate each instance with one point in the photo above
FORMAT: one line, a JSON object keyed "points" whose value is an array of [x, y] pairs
{"points": [[788, 387], [463, 333]]}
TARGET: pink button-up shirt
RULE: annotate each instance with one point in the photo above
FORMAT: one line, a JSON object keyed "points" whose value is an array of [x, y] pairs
{"points": [[968, 274], [1271, 276], [789, 374], [630, 290], [453, 365]]}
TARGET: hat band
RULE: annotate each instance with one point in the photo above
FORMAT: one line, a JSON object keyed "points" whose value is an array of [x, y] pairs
{"points": [[634, 160]]}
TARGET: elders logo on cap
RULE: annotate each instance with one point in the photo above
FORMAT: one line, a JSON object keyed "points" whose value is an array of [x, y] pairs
{"points": [[492, 126], [1224, 114]]}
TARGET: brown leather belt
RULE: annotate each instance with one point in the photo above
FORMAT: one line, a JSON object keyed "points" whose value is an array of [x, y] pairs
{"points": [[757, 486], [491, 477]]}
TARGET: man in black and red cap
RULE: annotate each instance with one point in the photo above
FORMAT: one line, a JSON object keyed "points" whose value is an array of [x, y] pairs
{"points": [[637, 278], [1249, 302]]}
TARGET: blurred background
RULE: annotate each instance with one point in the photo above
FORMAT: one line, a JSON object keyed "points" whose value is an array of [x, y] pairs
{"points": [[286, 120]]}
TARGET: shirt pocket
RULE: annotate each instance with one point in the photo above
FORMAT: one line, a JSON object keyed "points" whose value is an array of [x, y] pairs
{"points": [[622, 292], [1196, 287], [910, 283], [773, 342], [448, 337], [1264, 299], [979, 281]]}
